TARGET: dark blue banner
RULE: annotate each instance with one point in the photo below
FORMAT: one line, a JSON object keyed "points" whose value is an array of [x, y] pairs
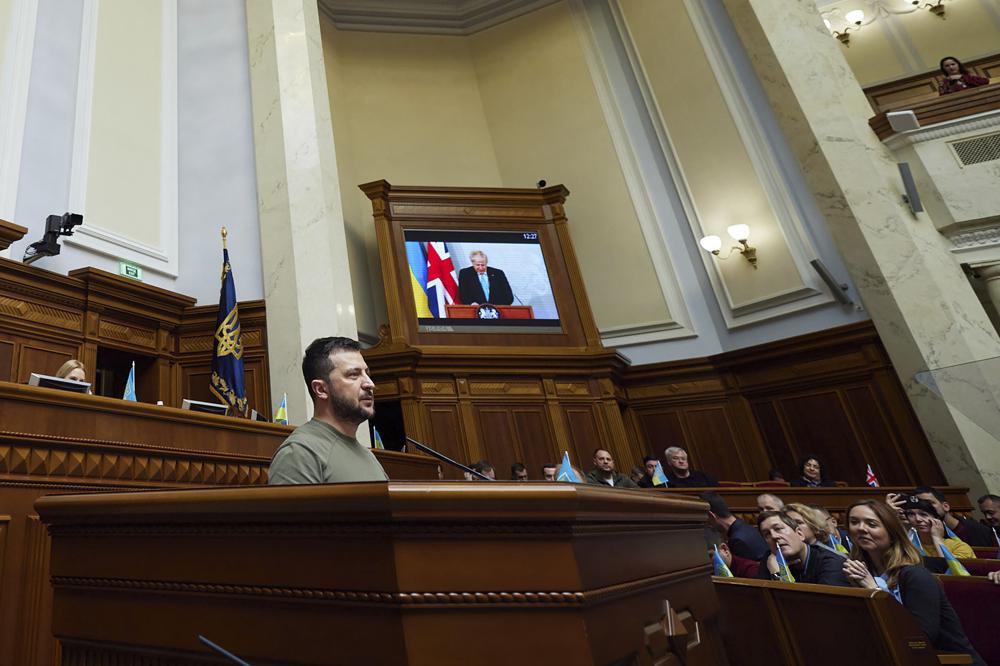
{"points": [[227, 355]]}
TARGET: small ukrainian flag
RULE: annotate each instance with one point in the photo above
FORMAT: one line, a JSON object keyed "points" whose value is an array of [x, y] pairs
{"points": [[377, 444], [566, 471], [838, 545], [130, 385], [660, 479], [784, 573], [915, 538], [281, 416], [955, 567], [721, 569]]}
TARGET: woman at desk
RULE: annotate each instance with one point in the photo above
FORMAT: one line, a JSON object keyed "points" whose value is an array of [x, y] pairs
{"points": [[956, 78], [73, 370]]}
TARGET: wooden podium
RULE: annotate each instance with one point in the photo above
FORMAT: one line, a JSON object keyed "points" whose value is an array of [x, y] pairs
{"points": [[506, 311], [383, 573]]}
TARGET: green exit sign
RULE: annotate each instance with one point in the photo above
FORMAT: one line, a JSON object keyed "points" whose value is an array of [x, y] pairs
{"points": [[130, 270]]}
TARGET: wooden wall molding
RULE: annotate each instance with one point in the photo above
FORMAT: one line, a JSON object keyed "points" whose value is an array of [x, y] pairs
{"points": [[10, 233], [940, 109]]}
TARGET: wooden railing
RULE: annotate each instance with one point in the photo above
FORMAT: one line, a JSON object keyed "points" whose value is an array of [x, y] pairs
{"points": [[939, 109]]}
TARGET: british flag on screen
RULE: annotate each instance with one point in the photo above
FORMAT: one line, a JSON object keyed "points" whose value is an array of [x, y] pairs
{"points": [[870, 478], [442, 284]]}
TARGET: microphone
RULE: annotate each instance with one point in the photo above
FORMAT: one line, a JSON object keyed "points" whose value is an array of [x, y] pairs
{"points": [[224, 652], [519, 301], [443, 458]]}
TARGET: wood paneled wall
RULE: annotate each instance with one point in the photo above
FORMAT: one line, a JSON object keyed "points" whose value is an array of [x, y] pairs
{"points": [[833, 394]]}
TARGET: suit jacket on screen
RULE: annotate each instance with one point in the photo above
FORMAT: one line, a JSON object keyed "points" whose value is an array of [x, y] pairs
{"points": [[470, 291]]}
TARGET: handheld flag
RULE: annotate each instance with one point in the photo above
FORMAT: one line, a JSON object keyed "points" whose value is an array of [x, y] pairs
{"points": [[997, 537], [720, 564], [130, 385], [949, 533], [660, 479], [281, 416], [838, 545], [377, 439], [227, 355], [955, 567], [847, 543], [870, 478], [915, 538], [566, 471], [784, 573]]}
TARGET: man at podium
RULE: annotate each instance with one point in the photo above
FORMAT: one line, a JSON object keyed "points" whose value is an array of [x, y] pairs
{"points": [[326, 450], [480, 283]]}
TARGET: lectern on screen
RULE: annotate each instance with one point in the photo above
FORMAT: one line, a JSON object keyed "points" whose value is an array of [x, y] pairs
{"points": [[480, 281]]}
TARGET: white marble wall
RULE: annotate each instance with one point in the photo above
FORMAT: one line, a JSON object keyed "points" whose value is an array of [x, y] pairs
{"points": [[922, 304]]}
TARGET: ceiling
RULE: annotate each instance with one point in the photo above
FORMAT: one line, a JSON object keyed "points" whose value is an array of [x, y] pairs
{"points": [[448, 17]]}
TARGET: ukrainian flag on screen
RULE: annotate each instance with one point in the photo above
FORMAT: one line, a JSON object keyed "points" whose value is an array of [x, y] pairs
{"points": [[418, 277]]}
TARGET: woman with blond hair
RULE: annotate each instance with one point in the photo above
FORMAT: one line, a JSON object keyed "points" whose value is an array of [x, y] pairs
{"points": [[72, 369], [883, 557], [812, 525]]}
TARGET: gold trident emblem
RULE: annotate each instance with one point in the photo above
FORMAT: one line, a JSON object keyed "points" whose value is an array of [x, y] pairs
{"points": [[228, 335]]}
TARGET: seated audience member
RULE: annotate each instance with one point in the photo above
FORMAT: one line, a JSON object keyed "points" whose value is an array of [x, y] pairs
{"points": [[957, 78], [769, 502], [810, 473], [649, 468], [921, 515], [808, 564], [883, 557], [743, 539], [72, 369], [832, 526], [775, 475], [680, 474], [812, 526], [485, 468], [740, 566], [636, 474], [518, 472], [970, 531], [604, 473], [549, 471], [990, 506]]}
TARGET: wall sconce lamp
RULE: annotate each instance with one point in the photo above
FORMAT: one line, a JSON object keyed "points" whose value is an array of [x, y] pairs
{"points": [[937, 8], [739, 233], [856, 18]]}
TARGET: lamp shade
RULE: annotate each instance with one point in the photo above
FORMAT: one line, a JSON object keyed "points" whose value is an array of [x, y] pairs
{"points": [[829, 26], [711, 243], [855, 16], [739, 231]]}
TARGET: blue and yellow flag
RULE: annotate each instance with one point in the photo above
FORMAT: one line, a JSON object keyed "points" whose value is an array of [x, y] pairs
{"points": [[660, 479], [915, 538], [955, 567], [281, 416], [227, 356], [784, 573], [997, 537], [838, 545], [566, 471], [949, 533], [130, 385], [377, 439], [721, 569]]}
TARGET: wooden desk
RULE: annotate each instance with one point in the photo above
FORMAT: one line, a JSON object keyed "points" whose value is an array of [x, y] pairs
{"points": [[438, 573], [58, 442]]}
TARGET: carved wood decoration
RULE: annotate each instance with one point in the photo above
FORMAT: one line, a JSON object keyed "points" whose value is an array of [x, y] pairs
{"points": [[46, 319], [397, 573]]}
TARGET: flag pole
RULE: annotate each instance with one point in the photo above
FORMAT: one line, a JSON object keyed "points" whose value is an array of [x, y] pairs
{"points": [[224, 234]]}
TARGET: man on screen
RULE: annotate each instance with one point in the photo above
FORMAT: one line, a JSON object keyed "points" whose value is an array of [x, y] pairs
{"points": [[481, 284]]}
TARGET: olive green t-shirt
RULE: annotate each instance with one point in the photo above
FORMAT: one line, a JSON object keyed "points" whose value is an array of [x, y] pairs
{"points": [[316, 452]]}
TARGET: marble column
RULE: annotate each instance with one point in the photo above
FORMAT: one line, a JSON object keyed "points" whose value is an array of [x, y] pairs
{"points": [[990, 275], [307, 282], [926, 312]]}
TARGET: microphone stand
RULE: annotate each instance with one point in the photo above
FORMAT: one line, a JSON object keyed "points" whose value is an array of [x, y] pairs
{"points": [[443, 458]]}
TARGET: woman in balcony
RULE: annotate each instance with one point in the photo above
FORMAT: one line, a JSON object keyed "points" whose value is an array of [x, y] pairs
{"points": [[956, 78]]}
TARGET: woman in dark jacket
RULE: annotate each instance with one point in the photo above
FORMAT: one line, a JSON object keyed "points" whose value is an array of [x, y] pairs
{"points": [[810, 473], [883, 557], [956, 78]]}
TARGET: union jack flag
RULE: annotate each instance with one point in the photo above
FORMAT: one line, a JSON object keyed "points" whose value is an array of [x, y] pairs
{"points": [[870, 478], [442, 284]]}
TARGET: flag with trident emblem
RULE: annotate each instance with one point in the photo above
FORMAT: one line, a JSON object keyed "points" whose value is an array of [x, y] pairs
{"points": [[227, 357]]}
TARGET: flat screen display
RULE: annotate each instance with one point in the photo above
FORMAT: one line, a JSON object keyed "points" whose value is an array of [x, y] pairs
{"points": [[491, 281]]}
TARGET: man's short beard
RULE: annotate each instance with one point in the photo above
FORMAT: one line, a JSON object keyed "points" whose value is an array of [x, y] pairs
{"points": [[352, 413]]}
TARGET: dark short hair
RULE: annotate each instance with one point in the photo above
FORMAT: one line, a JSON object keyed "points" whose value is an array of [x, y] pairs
{"points": [[712, 538], [806, 457], [961, 67], [483, 466], [924, 490], [517, 467], [776, 475], [646, 459], [913, 502], [549, 466], [716, 504], [599, 449], [988, 496], [316, 364], [785, 518]]}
